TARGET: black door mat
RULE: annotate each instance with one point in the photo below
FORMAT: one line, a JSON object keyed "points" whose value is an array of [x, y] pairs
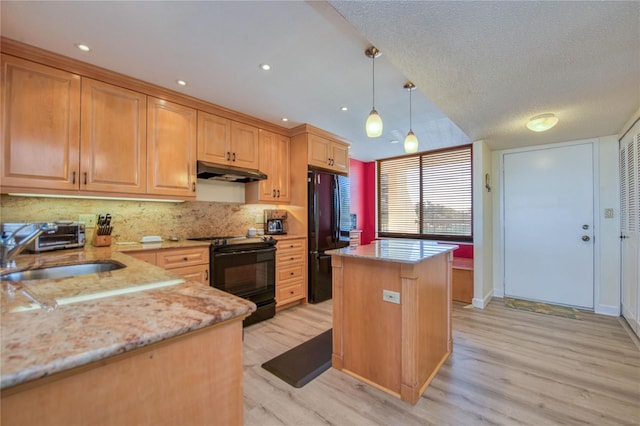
{"points": [[305, 362]]}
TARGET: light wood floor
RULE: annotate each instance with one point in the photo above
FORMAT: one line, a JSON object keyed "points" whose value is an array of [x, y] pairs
{"points": [[508, 367]]}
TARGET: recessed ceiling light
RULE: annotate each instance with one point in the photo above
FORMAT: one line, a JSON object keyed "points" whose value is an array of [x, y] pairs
{"points": [[542, 122], [395, 141], [83, 47], [181, 82], [265, 67], [285, 119], [344, 108]]}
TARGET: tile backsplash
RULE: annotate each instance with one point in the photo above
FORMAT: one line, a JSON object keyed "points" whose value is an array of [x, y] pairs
{"points": [[133, 219]]}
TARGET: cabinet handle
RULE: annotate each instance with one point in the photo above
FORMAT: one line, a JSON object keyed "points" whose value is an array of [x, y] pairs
{"points": [[73, 179], [185, 258], [274, 193], [278, 193], [291, 258], [206, 274], [193, 186], [228, 156], [291, 292], [85, 178], [234, 156], [290, 273]]}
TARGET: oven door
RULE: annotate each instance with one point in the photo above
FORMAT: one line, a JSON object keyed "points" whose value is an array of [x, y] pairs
{"points": [[248, 273]]}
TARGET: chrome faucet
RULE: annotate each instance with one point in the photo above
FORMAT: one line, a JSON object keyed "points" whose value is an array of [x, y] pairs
{"points": [[9, 248]]}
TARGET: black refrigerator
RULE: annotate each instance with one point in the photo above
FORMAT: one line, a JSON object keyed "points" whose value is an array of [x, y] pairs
{"points": [[329, 225]]}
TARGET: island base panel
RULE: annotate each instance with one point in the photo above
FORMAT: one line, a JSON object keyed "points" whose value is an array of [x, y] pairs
{"points": [[194, 379]]}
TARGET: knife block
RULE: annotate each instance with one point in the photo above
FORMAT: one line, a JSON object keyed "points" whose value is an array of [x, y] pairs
{"points": [[101, 240]]}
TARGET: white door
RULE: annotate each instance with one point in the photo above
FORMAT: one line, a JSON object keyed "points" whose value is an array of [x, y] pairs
{"points": [[548, 217], [630, 229]]}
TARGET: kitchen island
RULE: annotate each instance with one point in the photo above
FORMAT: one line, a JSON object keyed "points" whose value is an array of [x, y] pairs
{"points": [[392, 313], [138, 345]]}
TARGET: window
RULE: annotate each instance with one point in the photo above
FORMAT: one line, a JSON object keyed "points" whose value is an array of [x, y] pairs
{"points": [[427, 195]]}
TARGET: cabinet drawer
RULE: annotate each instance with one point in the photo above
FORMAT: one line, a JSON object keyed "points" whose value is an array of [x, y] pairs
{"points": [[198, 273], [286, 246], [290, 272], [174, 258], [289, 294], [284, 258], [147, 256]]}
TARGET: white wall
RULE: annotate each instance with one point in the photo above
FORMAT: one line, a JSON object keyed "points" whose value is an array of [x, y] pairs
{"points": [[607, 248], [482, 225]]}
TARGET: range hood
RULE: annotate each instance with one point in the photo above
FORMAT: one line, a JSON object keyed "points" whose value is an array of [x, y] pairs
{"points": [[228, 173]]}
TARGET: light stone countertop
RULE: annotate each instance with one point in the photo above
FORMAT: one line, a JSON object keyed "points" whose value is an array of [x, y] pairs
{"points": [[399, 250], [95, 322]]}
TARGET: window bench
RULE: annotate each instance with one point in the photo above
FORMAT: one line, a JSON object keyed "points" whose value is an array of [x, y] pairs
{"points": [[462, 279]]}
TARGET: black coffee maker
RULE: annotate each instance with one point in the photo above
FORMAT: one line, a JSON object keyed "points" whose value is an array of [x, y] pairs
{"points": [[275, 222]]}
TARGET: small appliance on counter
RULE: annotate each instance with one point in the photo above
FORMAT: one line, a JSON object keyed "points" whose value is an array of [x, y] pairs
{"points": [[275, 222], [67, 235]]}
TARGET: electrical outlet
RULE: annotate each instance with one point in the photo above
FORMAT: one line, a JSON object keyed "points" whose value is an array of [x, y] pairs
{"points": [[258, 218], [391, 296], [608, 213], [89, 220]]}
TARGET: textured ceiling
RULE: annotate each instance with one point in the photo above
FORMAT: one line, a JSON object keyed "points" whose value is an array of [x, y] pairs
{"points": [[485, 66]]}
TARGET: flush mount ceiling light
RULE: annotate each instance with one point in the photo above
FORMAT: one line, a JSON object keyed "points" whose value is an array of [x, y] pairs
{"points": [[411, 141], [542, 122], [83, 47], [373, 126]]}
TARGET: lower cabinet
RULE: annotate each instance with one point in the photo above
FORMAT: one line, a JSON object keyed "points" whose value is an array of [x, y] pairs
{"points": [[190, 262], [290, 271]]}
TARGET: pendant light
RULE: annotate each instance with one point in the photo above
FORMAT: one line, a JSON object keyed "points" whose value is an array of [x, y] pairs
{"points": [[373, 127], [411, 141]]}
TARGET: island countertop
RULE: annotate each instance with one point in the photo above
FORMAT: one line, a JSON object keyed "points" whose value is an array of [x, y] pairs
{"points": [[395, 250], [96, 321]]}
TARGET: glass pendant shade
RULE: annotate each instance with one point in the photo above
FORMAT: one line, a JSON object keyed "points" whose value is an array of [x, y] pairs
{"points": [[410, 143], [373, 126]]}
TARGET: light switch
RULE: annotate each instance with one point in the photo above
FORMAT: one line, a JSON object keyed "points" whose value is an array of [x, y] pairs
{"points": [[608, 213]]}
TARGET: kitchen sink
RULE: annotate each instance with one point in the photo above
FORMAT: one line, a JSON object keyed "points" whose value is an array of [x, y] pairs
{"points": [[63, 271]]}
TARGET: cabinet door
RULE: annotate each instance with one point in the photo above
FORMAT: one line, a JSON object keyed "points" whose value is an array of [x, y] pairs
{"points": [[214, 138], [268, 165], [283, 173], [244, 146], [171, 145], [197, 273], [339, 159], [41, 126], [318, 151], [113, 138]]}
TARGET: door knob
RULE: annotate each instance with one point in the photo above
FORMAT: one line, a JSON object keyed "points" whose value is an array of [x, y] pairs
{"points": [[586, 238]]}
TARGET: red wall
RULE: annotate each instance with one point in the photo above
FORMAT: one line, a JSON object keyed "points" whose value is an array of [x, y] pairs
{"points": [[363, 197]]}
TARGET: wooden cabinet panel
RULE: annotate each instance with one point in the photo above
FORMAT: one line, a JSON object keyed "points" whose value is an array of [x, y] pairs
{"points": [[274, 162], [146, 256], [214, 138], [340, 157], [41, 126], [171, 145], [289, 294], [318, 151], [198, 273], [244, 146], [113, 138]]}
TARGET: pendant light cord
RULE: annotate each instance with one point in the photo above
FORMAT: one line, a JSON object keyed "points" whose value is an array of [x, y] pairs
{"points": [[410, 112], [373, 80]]}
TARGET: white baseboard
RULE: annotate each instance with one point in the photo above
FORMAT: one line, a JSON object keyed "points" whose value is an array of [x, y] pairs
{"points": [[613, 311], [482, 303]]}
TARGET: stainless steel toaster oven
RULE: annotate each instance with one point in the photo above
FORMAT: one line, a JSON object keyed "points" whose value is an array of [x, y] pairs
{"points": [[68, 234]]}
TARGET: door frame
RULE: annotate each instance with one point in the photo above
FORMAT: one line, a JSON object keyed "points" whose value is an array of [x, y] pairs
{"points": [[499, 265]]}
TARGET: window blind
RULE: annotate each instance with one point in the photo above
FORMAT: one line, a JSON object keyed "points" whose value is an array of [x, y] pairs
{"points": [[428, 195]]}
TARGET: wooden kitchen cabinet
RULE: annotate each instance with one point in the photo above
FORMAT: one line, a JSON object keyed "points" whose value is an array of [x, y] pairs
{"points": [[290, 271], [274, 162], [41, 126], [227, 142], [190, 262], [113, 138], [328, 154], [171, 149]]}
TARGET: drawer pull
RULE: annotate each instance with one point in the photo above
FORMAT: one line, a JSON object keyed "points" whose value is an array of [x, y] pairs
{"points": [[185, 258], [291, 292], [292, 258], [291, 273]]}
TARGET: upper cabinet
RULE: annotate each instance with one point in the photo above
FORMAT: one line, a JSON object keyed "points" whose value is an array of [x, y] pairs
{"points": [[113, 139], [328, 154], [171, 145], [274, 162], [227, 142], [41, 126]]}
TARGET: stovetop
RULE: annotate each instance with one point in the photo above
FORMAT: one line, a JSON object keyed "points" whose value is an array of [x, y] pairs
{"points": [[236, 240]]}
